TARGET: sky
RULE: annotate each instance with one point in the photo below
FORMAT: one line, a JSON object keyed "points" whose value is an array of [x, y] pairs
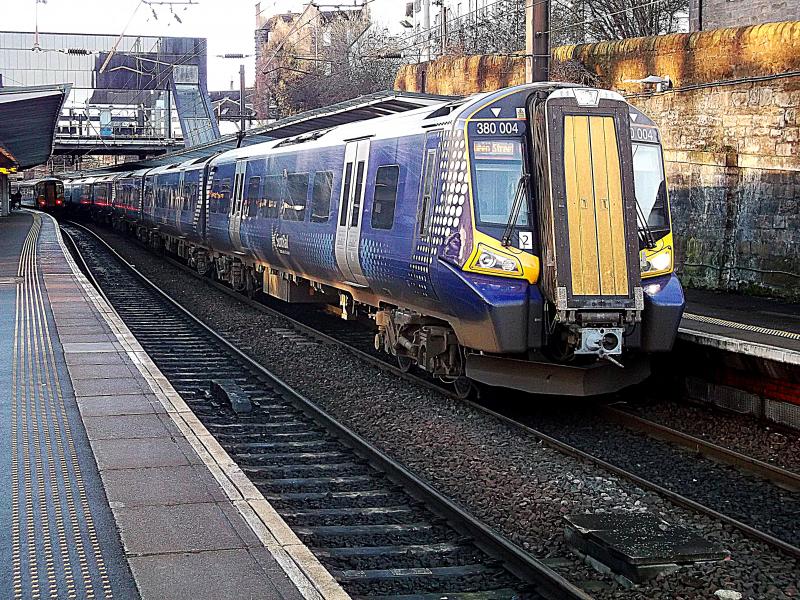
{"points": [[228, 25]]}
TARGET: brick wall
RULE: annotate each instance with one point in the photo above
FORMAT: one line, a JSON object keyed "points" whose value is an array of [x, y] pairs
{"points": [[731, 130]]}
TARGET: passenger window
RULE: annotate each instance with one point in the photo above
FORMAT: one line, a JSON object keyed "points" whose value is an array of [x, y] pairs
{"points": [[427, 193], [273, 196], [321, 200], [253, 196], [385, 197], [348, 181], [224, 204], [357, 196], [294, 209]]}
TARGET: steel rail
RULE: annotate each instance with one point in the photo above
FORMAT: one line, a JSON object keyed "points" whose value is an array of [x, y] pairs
{"points": [[517, 561], [541, 436], [781, 477], [305, 328], [642, 482]]}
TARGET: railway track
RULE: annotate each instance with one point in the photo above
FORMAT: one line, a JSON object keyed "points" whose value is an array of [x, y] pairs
{"points": [[380, 530], [323, 326], [628, 451]]}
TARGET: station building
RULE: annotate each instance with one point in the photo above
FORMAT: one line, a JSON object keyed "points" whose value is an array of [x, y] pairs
{"points": [[131, 96]]}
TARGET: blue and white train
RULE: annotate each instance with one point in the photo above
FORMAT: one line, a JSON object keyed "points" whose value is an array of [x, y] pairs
{"points": [[519, 238]]}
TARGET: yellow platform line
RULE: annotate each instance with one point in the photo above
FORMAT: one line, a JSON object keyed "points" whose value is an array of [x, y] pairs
{"points": [[37, 387], [742, 326], [51, 504], [71, 454]]}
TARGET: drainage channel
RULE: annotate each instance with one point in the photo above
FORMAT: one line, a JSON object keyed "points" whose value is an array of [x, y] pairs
{"points": [[381, 531]]}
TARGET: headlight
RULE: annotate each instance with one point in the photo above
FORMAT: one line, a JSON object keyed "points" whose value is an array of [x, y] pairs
{"points": [[655, 264], [491, 260]]}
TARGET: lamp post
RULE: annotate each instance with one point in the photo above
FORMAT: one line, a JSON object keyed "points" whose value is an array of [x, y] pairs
{"points": [[242, 89]]}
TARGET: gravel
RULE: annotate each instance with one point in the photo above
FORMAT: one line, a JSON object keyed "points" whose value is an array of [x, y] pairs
{"points": [[504, 477], [721, 487], [779, 446]]}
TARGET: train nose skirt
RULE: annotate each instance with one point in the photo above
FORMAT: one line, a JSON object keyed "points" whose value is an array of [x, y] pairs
{"points": [[51, 519]]}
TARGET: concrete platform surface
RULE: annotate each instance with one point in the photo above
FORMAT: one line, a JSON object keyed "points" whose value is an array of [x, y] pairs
{"points": [[116, 489], [750, 325]]}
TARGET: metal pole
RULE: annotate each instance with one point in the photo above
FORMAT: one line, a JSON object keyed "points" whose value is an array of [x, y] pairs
{"points": [[443, 19], [4, 211], [537, 36], [426, 30], [242, 104]]}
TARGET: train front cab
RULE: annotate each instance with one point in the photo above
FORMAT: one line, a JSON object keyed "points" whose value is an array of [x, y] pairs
{"points": [[594, 293], [50, 194]]}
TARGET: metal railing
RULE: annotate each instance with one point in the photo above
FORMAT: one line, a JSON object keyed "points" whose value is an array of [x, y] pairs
{"points": [[117, 122]]}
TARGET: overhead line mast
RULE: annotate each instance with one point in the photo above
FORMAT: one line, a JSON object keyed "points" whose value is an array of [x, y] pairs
{"points": [[537, 40]]}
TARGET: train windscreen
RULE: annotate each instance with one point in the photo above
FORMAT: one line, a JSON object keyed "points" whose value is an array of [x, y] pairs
{"points": [[651, 190], [498, 168]]}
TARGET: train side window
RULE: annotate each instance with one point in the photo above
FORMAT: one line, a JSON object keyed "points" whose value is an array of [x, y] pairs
{"points": [[294, 209], [224, 203], [427, 192], [273, 194], [348, 182], [321, 199], [149, 194], [188, 195], [357, 196], [383, 205], [253, 196]]}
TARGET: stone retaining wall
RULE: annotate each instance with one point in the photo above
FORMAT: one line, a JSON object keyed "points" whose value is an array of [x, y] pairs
{"points": [[731, 130]]}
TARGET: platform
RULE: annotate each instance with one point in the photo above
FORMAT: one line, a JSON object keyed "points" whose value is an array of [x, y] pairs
{"points": [[116, 490], [758, 327]]}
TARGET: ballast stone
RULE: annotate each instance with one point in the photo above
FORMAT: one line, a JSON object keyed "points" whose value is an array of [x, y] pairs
{"points": [[728, 595]]}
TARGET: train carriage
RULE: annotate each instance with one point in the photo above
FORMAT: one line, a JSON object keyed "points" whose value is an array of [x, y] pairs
{"points": [[102, 197], [45, 194], [127, 197], [519, 238], [79, 194]]}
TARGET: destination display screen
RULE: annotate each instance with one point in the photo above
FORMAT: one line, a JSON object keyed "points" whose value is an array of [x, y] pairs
{"points": [[497, 150]]}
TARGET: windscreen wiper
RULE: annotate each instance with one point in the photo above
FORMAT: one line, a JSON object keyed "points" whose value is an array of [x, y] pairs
{"points": [[646, 238], [519, 195]]}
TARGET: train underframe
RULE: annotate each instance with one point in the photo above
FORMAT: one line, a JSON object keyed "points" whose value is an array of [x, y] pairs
{"points": [[429, 343]]}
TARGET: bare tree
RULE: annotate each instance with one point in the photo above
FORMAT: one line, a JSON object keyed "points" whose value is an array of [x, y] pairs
{"points": [[351, 58], [573, 71], [599, 20], [499, 27]]}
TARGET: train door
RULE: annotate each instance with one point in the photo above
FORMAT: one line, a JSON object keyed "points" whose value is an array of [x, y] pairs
{"points": [[180, 201], [50, 193], [348, 231], [235, 222], [589, 258], [420, 279]]}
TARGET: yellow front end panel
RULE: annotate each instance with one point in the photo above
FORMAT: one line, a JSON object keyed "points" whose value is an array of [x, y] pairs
{"points": [[594, 207]]}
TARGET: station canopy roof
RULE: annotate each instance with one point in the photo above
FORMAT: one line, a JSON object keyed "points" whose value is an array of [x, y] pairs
{"points": [[28, 119], [358, 109]]}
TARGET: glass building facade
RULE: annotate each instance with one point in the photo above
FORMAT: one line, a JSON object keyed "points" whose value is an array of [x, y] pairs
{"points": [[150, 88]]}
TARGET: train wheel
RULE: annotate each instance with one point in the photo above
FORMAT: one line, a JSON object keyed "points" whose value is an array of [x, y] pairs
{"points": [[464, 387], [404, 362]]}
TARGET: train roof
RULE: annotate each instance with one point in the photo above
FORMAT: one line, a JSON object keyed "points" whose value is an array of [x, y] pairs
{"points": [[436, 114], [413, 122], [25, 182]]}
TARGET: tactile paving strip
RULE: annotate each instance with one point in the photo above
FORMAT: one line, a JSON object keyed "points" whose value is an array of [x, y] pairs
{"points": [[55, 552], [742, 326]]}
